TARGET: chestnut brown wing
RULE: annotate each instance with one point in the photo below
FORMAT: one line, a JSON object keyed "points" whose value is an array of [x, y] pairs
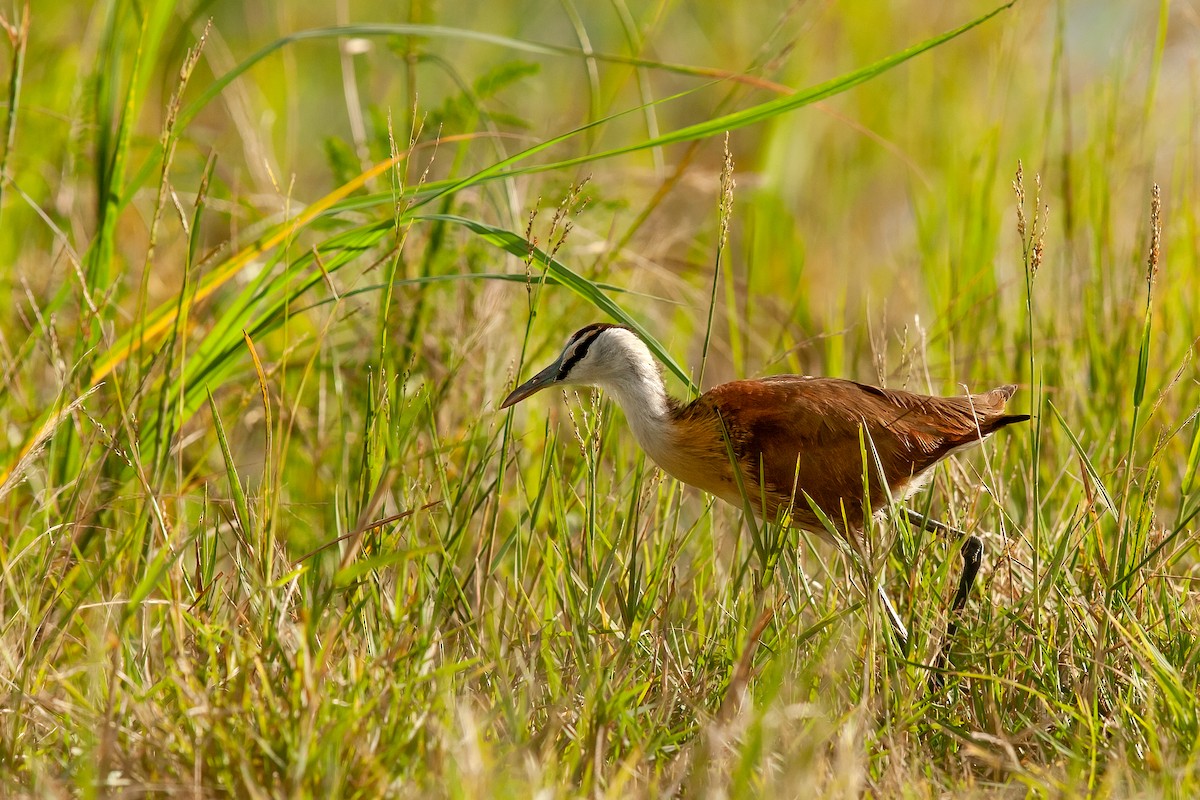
{"points": [[792, 431]]}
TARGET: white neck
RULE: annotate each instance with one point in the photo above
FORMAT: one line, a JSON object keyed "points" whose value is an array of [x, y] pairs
{"points": [[638, 389], [643, 398]]}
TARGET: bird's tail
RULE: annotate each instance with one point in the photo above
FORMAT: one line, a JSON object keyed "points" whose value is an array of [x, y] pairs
{"points": [[990, 408]]}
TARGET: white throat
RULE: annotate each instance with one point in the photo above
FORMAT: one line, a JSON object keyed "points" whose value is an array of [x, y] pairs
{"points": [[636, 384]]}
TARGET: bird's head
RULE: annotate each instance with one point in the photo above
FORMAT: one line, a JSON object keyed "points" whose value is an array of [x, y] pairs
{"points": [[597, 355]]}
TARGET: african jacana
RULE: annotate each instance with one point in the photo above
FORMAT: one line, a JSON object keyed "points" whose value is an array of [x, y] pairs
{"points": [[796, 441]]}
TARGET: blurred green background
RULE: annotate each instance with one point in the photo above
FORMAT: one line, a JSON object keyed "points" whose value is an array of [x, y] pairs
{"points": [[884, 202]]}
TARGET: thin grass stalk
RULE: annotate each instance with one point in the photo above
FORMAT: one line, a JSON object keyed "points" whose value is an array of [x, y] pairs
{"points": [[724, 216], [1032, 252], [1126, 551], [18, 39]]}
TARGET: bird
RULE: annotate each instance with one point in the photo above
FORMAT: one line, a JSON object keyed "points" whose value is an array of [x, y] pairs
{"points": [[788, 448]]}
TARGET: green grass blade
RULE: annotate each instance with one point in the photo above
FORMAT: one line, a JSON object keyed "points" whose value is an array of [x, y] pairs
{"points": [[240, 507], [564, 276], [1193, 460], [782, 105], [1143, 365], [1086, 460]]}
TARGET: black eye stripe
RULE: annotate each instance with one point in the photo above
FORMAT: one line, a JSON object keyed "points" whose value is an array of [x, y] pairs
{"points": [[583, 339], [581, 349]]}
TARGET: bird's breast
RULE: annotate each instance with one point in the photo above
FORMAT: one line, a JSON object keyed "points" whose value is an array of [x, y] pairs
{"points": [[693, 451]]}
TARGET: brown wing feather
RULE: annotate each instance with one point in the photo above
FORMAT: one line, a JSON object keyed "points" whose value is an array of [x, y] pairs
{"points": [[797, 431]]}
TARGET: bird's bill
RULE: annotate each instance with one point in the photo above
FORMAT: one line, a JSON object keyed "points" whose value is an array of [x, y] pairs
{"points": [[532, 386]]}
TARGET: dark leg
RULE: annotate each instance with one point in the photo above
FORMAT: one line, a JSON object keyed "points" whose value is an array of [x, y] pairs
{"points": [[898, 629], [972, 555], [922, 521], [897, 624]]}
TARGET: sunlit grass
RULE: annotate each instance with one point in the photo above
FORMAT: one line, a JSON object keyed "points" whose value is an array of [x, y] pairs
{"points": [[268, 536]]}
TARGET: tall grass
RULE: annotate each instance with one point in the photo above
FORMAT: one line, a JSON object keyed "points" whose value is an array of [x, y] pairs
{"points": [[268, 536]]}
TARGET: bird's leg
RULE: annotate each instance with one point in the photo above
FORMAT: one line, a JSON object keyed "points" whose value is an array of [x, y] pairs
{"points": [[897, 624], [859, 544], [930, 524], [972, 555]]}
